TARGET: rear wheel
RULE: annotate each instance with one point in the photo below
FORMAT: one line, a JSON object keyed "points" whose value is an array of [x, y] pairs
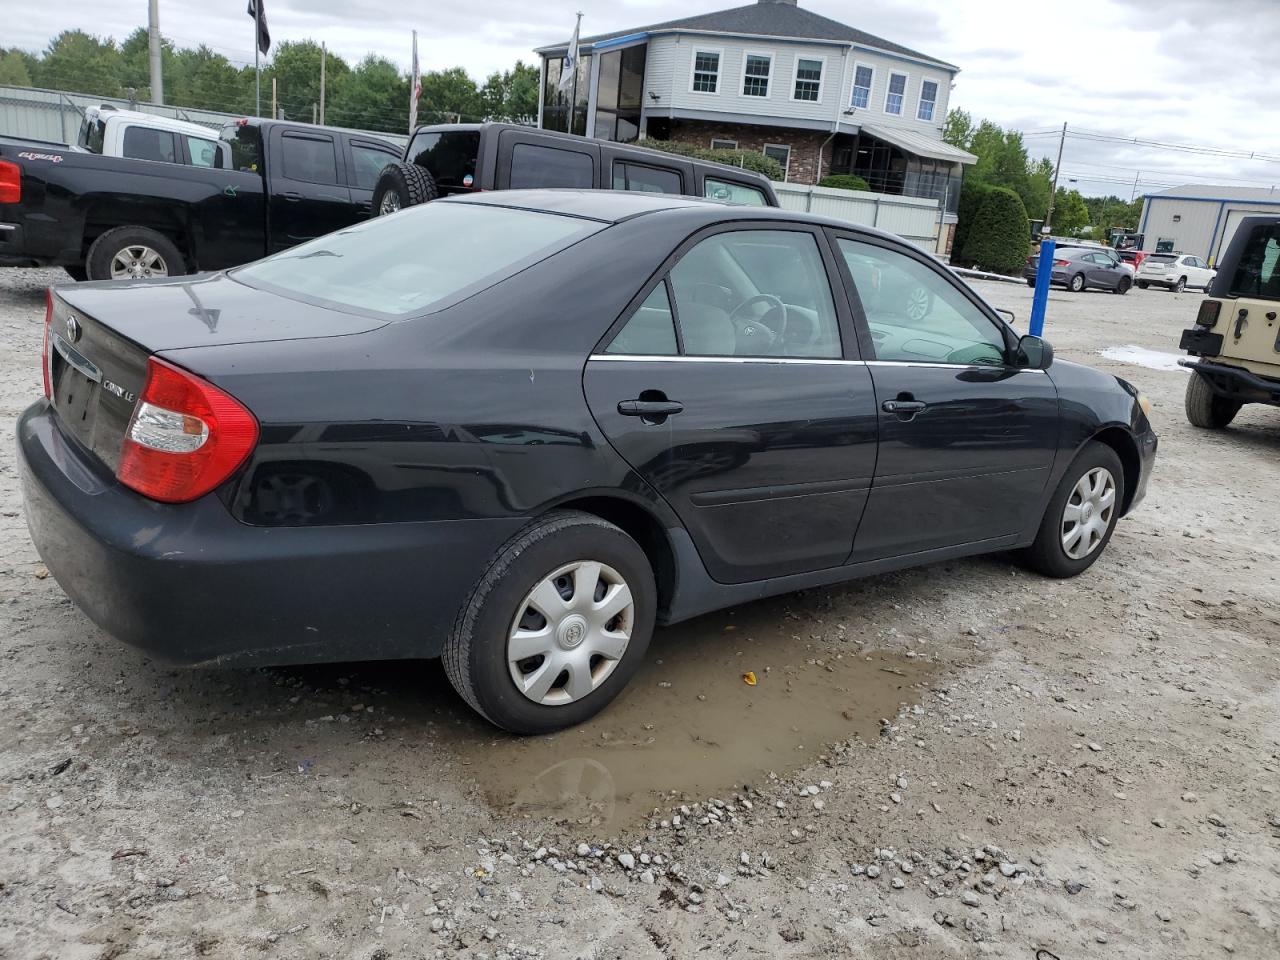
{"points": [[402, 185], [556, 626], [1031, 283], [132, 253], [1076, 284], [1180, 285], [1081, 516], [1142, 284], [1205, 408]]}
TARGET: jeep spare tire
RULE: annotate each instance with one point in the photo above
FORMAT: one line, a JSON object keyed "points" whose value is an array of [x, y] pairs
{"points": [[402, 185]]}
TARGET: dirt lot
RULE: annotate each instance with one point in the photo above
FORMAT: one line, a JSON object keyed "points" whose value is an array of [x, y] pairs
{"points": [[958, 761]]}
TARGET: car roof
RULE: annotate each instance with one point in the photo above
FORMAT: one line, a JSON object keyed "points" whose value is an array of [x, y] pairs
{"points": [[615, 206]]}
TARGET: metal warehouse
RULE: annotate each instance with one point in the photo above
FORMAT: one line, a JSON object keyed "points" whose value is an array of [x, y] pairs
{"points": [[1199, 219]]}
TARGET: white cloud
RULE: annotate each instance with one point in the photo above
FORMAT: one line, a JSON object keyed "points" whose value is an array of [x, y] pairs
{"points": [[1169, 70]]}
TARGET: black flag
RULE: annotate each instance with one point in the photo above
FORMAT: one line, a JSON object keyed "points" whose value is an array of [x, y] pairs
{"points": [[259, 13]]}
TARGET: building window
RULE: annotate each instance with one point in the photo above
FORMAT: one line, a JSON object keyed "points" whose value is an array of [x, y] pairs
{"points": [[808, 79], [862, 77], [755, 75], [928, 100], [896, 93], [717, 144], [706, 71], [780, 152]]}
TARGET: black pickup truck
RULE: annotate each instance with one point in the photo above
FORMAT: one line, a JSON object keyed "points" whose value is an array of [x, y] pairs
{"points": [[109, 217]]}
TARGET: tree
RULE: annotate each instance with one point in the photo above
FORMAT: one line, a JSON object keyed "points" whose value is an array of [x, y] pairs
{"points": [[14, 71], [295, 66], [998, 239], [373, 96], [958, 129], [82, 63], [1070, 214], [972, 193], [512, 94], [206, 80], [449, 93]]}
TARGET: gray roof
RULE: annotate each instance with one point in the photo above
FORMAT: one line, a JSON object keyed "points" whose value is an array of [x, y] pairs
{"points": [[1211, 192], [767, 18]]}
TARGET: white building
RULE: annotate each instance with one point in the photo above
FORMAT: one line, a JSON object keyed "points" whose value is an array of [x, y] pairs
{"points": [[1201, 220]]}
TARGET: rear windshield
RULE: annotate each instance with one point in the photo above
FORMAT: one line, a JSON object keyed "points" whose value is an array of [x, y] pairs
{"points": [[92, 133], [424, 257], [246, 146], [1258, 273], [1161, 258], [449, 156]]}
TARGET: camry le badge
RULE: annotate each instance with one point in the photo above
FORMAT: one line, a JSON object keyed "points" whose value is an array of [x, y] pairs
{"points": [[73, 329]]}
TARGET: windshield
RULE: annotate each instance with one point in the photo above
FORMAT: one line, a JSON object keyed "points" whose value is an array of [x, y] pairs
{"points": [[1258, 272], [420, 258], [1160, 258]]}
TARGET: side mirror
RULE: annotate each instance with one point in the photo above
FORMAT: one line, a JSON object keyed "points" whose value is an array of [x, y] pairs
{"points": [[1035, 353]]}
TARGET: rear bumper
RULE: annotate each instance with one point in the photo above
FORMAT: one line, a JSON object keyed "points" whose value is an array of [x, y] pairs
{"points": [[190, 584], [1235, 383]]}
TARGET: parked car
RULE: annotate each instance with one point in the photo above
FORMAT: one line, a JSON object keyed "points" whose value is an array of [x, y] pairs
{"points": [[1079, 268], [1174, 271], [272, 184], [110, 132], [1236, 336], [448, 159], [1133, 258], [520, 428]]}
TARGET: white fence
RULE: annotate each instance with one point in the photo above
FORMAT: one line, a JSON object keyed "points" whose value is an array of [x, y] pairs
{"points": [[51, 115], [911, 218]]}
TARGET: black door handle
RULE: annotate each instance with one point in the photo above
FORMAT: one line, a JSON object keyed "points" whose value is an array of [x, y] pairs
{"points": [[649, 408], [903, 407], [291, 196]]}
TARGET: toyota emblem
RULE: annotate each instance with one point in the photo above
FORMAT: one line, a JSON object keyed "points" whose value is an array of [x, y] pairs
{"points": [[73, 329]]}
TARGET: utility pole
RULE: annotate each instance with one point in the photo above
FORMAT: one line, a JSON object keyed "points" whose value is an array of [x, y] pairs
{"points": [[322, 70], [153, 46], [275, 115], [1135, 186], [1053, 194], [257, 64]]}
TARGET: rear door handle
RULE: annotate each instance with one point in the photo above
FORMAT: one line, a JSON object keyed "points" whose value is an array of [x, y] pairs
{"points": [[903, 406], [291, 196], [649, 408]]}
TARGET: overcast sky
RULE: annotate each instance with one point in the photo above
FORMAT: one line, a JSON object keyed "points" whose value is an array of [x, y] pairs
{"points": [[1186, 71]]}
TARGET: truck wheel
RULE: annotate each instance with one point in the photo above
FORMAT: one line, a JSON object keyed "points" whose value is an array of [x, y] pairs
{"points": [[402, 185], [128, 253], [76, 272], [1205, 408], [555, 627]]}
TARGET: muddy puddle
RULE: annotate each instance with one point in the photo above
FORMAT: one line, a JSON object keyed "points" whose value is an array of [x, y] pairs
{"points": [[689, 727]]}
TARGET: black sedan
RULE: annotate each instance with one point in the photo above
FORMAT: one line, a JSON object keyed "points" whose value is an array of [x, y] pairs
{"points": [[517, 430]]}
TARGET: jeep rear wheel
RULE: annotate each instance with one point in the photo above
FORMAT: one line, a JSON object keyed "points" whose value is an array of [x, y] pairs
{"points": [[402, 185], [1205, 408]]}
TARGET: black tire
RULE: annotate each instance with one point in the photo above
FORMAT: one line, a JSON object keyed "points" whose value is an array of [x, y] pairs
{"points": [[402, 185], [116, 241], [1205, 408], [1031, 283], [1076, 283], [1180, 285], [77, 272], [1123, 286], [475, 653], [1047, 554], [1142, 284]]}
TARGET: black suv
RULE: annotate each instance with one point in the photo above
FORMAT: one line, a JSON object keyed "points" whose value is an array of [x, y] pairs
{"points": [[465, 158]]}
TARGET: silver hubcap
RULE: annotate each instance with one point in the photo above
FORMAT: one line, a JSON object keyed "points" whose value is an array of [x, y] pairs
{"points": [[390, 203], [1087, 515], [570, 632], [138, 261], [917, 304]]}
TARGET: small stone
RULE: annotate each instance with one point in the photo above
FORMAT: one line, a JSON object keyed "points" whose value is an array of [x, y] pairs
{"points": [[1216, 859], [898, 883], [1095, 747], [819, 804], [490, 933], [53, 803], [857, 869], [437, 924], [595, 884], [969, 898], [1164, 916], [627, 861], [1010, 869], [1101, 938], [722, 880], [583, 850], [873, 871], [1189, 797], [646, 876], [895, 797]]}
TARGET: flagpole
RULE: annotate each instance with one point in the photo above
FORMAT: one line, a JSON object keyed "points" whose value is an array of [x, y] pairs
{"points": [[257, 69], [573, 100]]}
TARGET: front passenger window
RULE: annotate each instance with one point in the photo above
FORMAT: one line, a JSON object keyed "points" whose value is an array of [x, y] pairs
{"points": [[915, 314]]}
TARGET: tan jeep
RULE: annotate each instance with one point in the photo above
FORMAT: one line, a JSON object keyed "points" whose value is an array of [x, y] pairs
{"points": [[1237, 331]]}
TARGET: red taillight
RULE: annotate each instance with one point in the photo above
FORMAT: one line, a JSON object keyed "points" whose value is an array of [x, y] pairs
{"points": [[10, 182], [1062, 263], [44, 353], [185, 437]]}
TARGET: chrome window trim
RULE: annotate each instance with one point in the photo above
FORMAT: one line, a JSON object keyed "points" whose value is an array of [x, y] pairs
{"points": [[659, 358]]}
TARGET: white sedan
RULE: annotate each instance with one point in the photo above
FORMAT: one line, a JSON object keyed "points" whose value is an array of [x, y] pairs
{"points": [[1176, 271]]}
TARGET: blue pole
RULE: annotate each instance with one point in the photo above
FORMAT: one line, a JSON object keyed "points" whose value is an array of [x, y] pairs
{"points": [[1044, 271]]}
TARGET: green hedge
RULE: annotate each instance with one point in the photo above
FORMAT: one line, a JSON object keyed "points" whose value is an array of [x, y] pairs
{"points": [[997, 239], [844, 181], [972, 194], [746, 159]]}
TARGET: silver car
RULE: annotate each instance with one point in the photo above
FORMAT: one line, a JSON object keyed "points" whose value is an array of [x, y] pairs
{"points": [[1079, 268]]}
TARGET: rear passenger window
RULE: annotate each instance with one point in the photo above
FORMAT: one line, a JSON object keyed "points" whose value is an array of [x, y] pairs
{"points": [[369, 162], [533, 166], [309, 159], [714, 189], [635, 176], [143, 143], [651, 331]]}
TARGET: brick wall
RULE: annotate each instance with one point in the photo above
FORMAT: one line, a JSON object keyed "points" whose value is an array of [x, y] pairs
{"points": [[804, 144]]}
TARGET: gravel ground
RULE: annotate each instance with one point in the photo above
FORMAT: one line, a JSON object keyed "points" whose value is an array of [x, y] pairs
{"points": [[959, 761]]}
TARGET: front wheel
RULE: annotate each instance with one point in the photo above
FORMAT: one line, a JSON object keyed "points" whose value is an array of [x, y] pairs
{"points": [[555, 627], [1081, 516], [1180, 285], [1077, 283], [402, 185], [1123, 286], [1205, 408], [1031, 283], [1142, 284]]}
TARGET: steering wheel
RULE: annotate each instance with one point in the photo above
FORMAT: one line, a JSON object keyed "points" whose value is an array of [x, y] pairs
{"points": [[752, 327]]}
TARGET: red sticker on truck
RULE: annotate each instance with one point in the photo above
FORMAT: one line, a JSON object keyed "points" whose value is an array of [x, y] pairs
{"points": [[51, 157]]}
